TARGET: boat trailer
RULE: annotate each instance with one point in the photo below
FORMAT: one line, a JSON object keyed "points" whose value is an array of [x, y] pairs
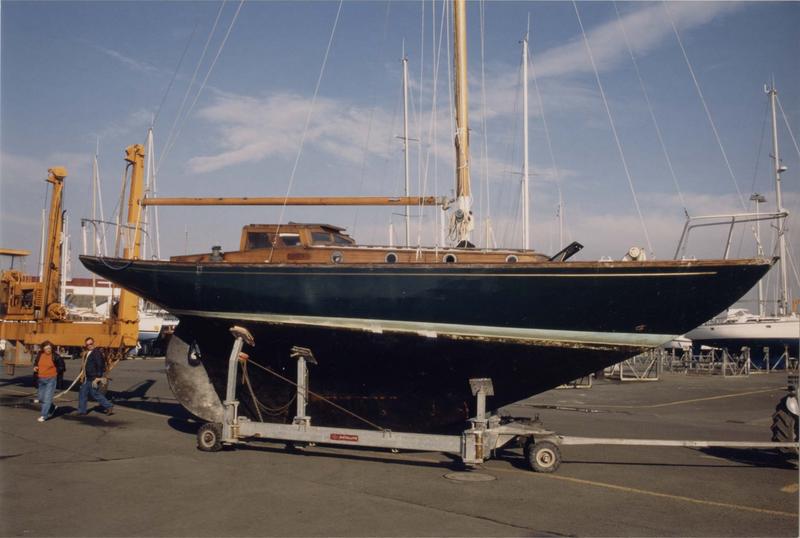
{"points": [[485, 435]]}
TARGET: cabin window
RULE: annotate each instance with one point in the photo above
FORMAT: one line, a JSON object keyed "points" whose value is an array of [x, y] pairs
{"points": [[290, 240], [320, 237], [257, 240], [391, 257], [337, 257], [342, 240], [449, 258], [511, 259]]}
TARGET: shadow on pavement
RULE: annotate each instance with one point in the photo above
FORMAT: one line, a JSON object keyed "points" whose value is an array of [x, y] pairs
{"points": [[763, 457], [361, 454]]}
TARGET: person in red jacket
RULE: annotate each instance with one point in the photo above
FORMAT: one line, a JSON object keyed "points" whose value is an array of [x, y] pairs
{"points": [[45, 367]]}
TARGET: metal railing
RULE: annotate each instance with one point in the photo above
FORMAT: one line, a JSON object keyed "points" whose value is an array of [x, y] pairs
{"points": [[721, 220]]}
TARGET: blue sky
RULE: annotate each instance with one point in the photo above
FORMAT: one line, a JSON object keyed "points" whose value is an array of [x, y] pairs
{"points": [[76, 72]]}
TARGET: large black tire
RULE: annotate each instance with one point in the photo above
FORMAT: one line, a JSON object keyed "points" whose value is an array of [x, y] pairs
{"points": [[785, 426], [543, 457], [209, 437]]}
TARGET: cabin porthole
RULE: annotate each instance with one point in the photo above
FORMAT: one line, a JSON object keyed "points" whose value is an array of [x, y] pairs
{"points": [[511, 259], [449, 258], [337, 257], [391, 257]]}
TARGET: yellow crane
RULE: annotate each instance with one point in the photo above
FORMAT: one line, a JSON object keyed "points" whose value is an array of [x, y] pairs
{"points": [[30, 310]]}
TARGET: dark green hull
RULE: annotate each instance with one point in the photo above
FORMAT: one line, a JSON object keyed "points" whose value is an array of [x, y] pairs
{"points": [[398, 344]]}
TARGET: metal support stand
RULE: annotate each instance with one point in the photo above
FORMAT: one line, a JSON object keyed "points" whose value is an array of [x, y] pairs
{"points": [[475, 445], [303, 356], [230, 423]]}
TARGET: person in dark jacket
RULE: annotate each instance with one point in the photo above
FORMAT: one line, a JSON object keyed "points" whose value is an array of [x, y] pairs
{"points": [[94, 372], [61, 367]]}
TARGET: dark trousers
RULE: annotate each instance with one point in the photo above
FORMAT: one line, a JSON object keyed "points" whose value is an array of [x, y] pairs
{"points": [[83, 397]]}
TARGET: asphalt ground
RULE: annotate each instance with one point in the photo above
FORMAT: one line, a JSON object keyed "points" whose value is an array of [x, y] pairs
{"points": [[138, 472]]}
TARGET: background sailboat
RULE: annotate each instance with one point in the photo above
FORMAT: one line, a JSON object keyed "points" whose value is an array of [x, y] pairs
{"points": [[771, 338]]}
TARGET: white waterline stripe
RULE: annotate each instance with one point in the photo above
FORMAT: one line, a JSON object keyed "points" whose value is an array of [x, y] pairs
{"points": [[434, 330]]}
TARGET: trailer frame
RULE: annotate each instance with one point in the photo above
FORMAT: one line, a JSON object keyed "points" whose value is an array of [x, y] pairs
{"points": [[478, 443]]}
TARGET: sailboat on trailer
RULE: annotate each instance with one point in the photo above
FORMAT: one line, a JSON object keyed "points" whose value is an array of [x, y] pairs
{"points": [[398, 332]]}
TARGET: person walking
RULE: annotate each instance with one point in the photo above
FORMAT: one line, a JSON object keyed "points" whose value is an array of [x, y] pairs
{"points": [[94, 371], [61, 367], [44, 366]]}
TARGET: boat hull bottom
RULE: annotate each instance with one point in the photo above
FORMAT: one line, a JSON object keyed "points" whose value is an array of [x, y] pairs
{"points": [[397, 382]]}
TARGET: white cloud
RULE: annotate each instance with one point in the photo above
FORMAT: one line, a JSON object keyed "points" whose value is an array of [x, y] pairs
{"points": [[251, 129], [134, 122], [646, 28], [135, 65]]}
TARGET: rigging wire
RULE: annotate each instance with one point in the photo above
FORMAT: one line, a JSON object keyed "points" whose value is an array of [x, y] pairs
{"points": [[208, 74], [614, 131], [651, 111], [365, 156], [307, 124], [451, 110], [793, 213], [318, 396], [510, 227], [485, 183], [435, 63], [705, 105], [100, 200], [788, 127], [755, 177], [549, 143], [42, 239], [419, 95], [174, 75], [760, 145], [172, 134]]}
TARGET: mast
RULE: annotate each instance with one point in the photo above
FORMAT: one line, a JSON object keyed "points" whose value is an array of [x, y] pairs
{"points": [[463, 216], [62, 278], [759, 199], [405, 143], [779, 169], [94, 224], [525, 209]]}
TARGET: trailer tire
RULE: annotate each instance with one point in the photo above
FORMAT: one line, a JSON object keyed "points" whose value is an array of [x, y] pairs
{"points": [[543, 457], [785, 427], [209, 437]]}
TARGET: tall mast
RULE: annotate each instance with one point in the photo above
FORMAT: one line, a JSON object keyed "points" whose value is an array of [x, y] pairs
{"points": [[759, 199], [405, 142], [778, 169], [526, 240], [94, 224], [463, 216]]}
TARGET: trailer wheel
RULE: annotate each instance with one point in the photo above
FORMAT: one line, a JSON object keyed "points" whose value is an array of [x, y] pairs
{"points": [[543, 457], [784, 427], [209, 437]]}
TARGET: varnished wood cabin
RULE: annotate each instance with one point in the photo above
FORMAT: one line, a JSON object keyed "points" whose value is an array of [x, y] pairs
{"points": [[297, 243]]}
